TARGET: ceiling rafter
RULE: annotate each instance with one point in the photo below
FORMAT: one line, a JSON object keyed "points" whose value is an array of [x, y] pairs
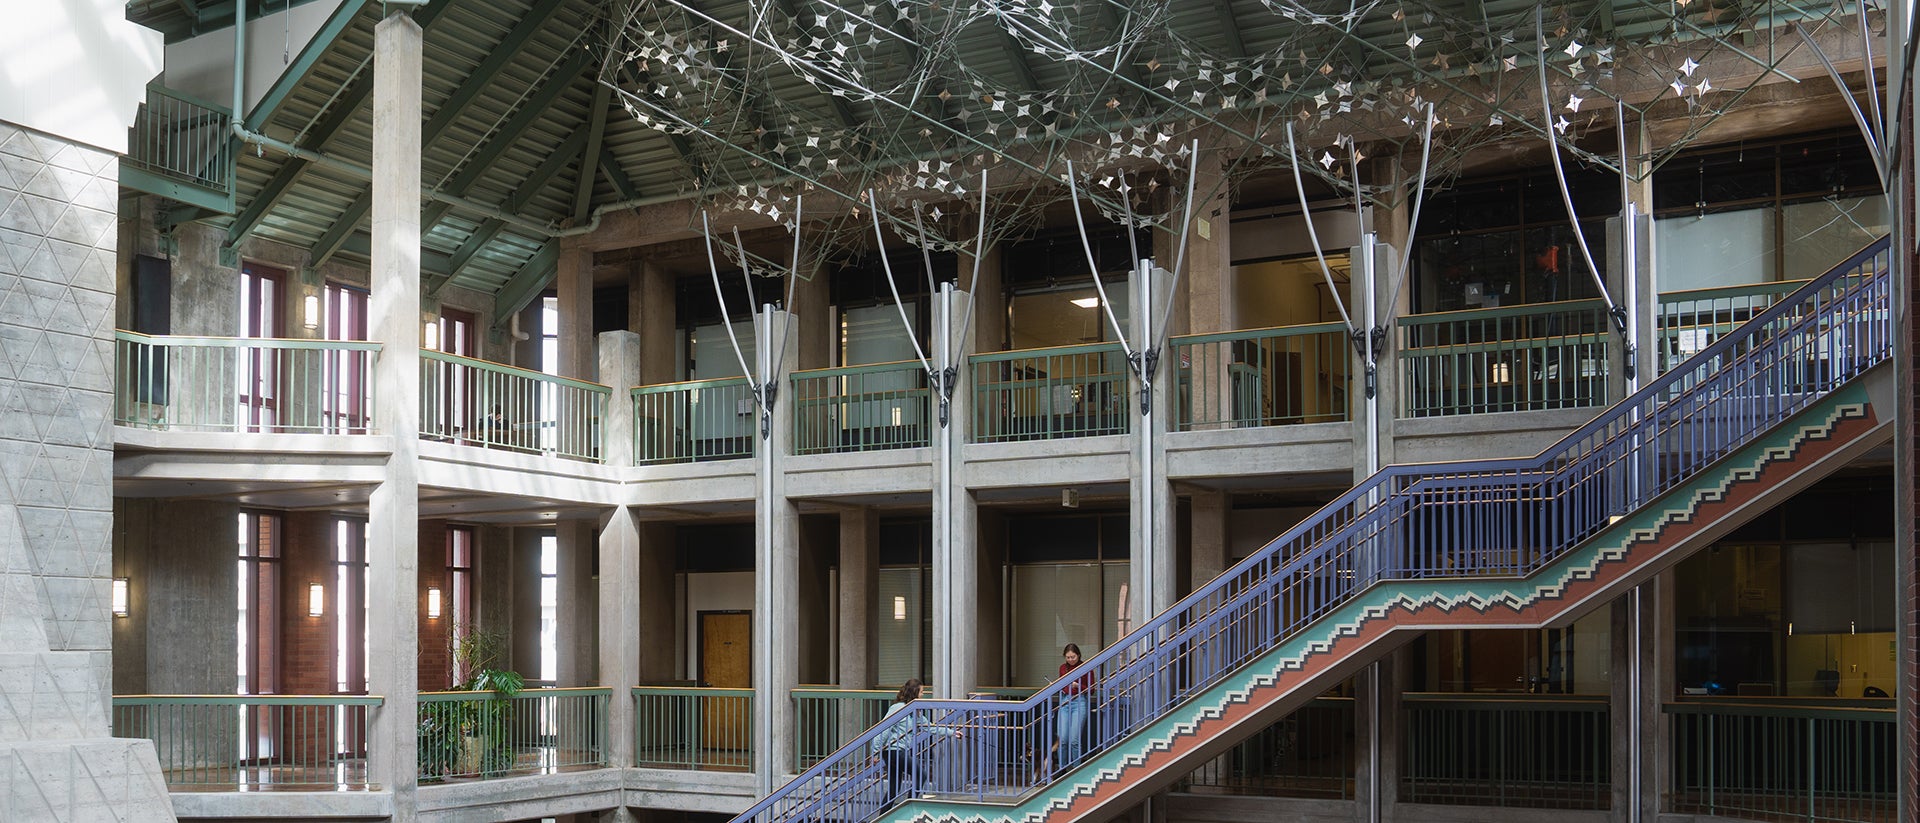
{"points": [[590, 156], [532, 110]]}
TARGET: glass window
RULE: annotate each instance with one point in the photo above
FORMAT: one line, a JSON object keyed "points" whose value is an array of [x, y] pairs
{"points": [[549, 608], [1068, 317], [1572, 660]]}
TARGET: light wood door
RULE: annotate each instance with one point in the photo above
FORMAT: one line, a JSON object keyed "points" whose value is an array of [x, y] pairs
{"points": [[726, 662]]}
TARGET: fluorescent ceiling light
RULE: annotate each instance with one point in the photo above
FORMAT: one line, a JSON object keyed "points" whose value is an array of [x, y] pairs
{"points": [[1086, 302]]}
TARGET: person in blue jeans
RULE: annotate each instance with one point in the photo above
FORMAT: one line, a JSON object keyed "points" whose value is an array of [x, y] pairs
{"points": [[895, 745], [1070, 724]]}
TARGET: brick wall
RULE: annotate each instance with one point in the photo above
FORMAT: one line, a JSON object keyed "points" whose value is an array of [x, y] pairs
{"points": [[436, 664]]}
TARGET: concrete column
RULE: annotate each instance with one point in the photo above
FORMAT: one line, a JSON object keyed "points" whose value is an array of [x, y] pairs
{"points": [[955, 562], [393, 512], [1154, 571], [776, 614], [574, 284], [1641, 662], [859, 595], [620, 636], [576, 617], [651, 315], [1636, 290], [1212, 513], [990, 303], [1376, 735], [819, 329], [658, 628], [1207, 286], [1388, 299]]}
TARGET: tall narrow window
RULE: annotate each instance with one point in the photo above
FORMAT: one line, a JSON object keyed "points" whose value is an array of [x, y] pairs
{"points": [[453, 333], [349, 606], [348, 387], [549, 364], [549, 608], [258, 646], [459, 605], [258, 372]]}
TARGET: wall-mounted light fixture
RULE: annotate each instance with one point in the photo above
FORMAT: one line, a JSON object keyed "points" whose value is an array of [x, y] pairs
{"points": [[120, 597], [316, 600], [312, 312], [430, 334], [899, 607], [433, 603]]}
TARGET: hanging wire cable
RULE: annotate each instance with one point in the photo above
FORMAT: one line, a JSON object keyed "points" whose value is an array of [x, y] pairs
{"points": [[1079, 222], [1313, 235], [979, 250], [713, 267], [793, 277], [926, 252], [880, 244], [746, 270]]}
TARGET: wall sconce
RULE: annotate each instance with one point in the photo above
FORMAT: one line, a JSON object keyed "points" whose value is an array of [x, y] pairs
{"points": [[119, 597], [312, 312], [433, 603], [430, 334], [899, 608], [316, 600]]}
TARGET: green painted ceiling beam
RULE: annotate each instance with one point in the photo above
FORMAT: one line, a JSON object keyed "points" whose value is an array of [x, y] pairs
{"points": [[527, 283], [432, 262], [532, 110], [336, 234], [341, 113], [557, 161], [610, 166], [484, 75], [590, 156], [302, 66], [475, 242]]}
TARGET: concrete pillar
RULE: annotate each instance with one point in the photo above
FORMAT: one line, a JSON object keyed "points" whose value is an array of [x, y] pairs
{"points": [[1154, 571], [990, 302], [776, 614], [1376, 734], [1636, 290], [1641, 664], [574, 284], [651, 315], [859, 595], [819, 329], [990, 543], [1212, 514], [658, 628], [1389, 298], [576, 609], [955, 562], [620, 635], [1207, 285], [393, 512]]}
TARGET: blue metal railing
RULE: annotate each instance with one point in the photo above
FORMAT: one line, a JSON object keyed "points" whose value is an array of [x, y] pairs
{"points": [[1504, 518]]}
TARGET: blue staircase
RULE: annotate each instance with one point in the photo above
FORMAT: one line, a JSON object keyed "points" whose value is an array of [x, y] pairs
{"points": [[1766, 409]]}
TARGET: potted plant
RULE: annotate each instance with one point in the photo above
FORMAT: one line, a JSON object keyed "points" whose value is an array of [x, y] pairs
{"points": [[467, 736]]}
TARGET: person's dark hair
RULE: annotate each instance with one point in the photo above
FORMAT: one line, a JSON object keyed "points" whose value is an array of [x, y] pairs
{"points": [[1075, 648], [909, 691]]}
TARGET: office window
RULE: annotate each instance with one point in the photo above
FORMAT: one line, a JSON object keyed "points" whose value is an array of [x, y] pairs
{"points": [[348, 383], [258, 372], [259, 603], [1065, 575], [349, 606]]}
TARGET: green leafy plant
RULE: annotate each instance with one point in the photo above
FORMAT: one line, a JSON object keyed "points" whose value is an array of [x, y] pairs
{"points": [[449, 731]]}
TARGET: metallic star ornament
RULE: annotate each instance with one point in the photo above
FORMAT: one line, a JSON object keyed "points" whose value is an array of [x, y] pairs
{"points": [[1687, 67]]}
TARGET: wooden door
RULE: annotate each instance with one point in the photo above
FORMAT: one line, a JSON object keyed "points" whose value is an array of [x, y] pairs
{"points": [[726, 662]]}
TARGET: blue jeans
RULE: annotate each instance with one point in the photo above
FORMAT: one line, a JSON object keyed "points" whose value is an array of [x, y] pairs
{"points": [[1070, 726]]}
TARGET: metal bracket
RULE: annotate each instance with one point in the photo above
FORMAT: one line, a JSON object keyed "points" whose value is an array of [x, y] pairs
{"points": [[229, 257], [1627, 366]]}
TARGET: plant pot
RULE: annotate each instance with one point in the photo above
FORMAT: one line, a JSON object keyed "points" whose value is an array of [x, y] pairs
{"points": [[471, 749]]}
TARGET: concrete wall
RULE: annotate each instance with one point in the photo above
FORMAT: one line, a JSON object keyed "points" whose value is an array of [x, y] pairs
{"points": [[179, 636], [203, 66], [57, 252]]}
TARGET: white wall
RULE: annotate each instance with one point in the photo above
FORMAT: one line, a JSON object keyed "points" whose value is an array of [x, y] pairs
{"points": [[203, 66], [74, 69]]}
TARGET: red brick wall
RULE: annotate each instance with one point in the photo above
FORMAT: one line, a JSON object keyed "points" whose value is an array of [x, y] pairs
{"points": [[436, 664], [306, 643]]}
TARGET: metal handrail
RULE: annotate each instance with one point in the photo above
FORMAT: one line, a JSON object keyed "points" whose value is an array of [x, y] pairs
{"points": [[1326, 562], [1304, 330]]}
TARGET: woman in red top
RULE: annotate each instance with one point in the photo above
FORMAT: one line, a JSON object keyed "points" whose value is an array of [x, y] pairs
{"points": [[1071, 722]]}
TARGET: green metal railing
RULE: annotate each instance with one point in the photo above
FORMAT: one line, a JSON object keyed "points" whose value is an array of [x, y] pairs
{"points": [[1537, 751], [860, 408], [241, 384], [1262, 377], [1045, 394], [1516, 358], [181, 148], [1691, 320], [693, 421], [538, 731], [252, 741], [825, 718], [1307, 754], [475, 402], [693, 728], [1784, 762]]}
